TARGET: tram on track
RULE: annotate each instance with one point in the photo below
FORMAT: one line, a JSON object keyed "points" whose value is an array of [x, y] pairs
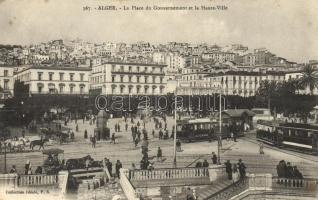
{"points": [[204, 129], [293, 136]]}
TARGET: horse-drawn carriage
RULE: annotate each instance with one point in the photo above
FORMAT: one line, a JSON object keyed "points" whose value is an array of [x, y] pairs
{"points": [[82, 163], [54, 162], [57, 135]]}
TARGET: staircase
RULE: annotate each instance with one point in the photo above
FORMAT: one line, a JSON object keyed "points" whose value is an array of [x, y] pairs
{"points": [[207, 192]]}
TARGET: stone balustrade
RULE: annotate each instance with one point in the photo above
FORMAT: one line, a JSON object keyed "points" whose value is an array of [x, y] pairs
{"points": [[305, 184], [173, 173], [8, 180], [127, 187], [40, 179]]}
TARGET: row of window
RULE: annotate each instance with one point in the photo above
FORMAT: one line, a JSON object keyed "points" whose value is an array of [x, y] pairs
{"points": [[123, 68], [138, 89], [137, 79], [61, 89], [61, 76]]}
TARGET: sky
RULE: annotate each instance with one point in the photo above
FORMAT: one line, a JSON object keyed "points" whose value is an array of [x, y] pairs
{"points": [[288, 28]]}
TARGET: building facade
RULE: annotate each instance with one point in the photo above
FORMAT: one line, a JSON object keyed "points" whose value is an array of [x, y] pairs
{"points": [[55, 79], [6, 82], [123, 78]]}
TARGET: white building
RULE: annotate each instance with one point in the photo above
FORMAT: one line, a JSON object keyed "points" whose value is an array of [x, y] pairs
{"points": [[129, 78], [55, 79], [6, 82], [219, 56]]}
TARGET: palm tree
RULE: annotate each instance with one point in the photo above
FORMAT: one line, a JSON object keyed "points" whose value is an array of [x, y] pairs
{"points": [[268, 89], [309, 78]]}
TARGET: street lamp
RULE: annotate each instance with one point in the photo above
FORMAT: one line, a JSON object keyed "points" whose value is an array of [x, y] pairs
{"points": [[175, 131], [220, 126], [5, 157]]}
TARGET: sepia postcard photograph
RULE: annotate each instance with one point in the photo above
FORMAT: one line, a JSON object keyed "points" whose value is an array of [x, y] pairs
{"points": [[158, 99]]}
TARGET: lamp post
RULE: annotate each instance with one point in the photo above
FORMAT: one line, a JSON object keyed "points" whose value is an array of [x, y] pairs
{"points": [[175, 127], [175, 132], [5, 157], [220, 129]]}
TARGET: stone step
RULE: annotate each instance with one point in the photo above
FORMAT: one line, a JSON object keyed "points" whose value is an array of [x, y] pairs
{"points": [[208, 191]]}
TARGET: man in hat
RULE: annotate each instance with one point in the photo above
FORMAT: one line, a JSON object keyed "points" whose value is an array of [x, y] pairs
{"points": [[214, 158], [242, 168]]}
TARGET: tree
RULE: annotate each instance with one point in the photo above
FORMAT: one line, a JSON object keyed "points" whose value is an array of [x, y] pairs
{"points": [[309, 78], [268, 89]]}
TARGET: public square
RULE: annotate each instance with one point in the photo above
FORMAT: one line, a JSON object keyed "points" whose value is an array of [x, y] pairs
{"points": [[246, 148]]}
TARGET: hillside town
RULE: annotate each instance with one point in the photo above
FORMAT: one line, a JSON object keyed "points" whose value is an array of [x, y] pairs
{"points": [[80, 120], [78, 66]]}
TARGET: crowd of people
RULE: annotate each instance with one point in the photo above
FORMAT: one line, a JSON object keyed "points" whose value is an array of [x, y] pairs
{"points": [[286, 170], [235, 171]]}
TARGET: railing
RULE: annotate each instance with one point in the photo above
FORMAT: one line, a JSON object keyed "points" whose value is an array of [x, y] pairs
{"points": [[159, 174], [34, 180], [8, 180], [305, 184], [62, 181], [108, 175], [128, 189], [230, 191]]}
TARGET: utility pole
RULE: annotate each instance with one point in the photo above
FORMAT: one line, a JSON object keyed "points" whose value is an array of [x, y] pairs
{"points": [[5, 158], [220, 128], [175, 131]]}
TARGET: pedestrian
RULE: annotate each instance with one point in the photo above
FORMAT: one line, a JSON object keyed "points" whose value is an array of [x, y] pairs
{"points": [[138, 124], [178, 145], [13, 170], [109, 166], [160, 134], [205, 163], [198, 165], [159, 154], [76, 128], [166, 135], [126, 126], [94, 141], [87, 161], [115, 127], [136, 141], [118, 167], [297, 173], [290, 171], [153, 133], [150, 167], [214, 158], [113, 138], [261, 148], [228, 169], [30, 169], [138, 134], [26, 167], [242, 168], [38, 170], [235, 173]]}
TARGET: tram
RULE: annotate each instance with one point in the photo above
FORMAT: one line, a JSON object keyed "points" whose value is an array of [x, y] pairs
{"points": [[293, 136], [204, 129]]}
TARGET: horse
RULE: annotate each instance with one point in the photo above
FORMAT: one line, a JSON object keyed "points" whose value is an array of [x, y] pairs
{"points": [[62, 137], [38, 143], [13, 145], [78, 163]]}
